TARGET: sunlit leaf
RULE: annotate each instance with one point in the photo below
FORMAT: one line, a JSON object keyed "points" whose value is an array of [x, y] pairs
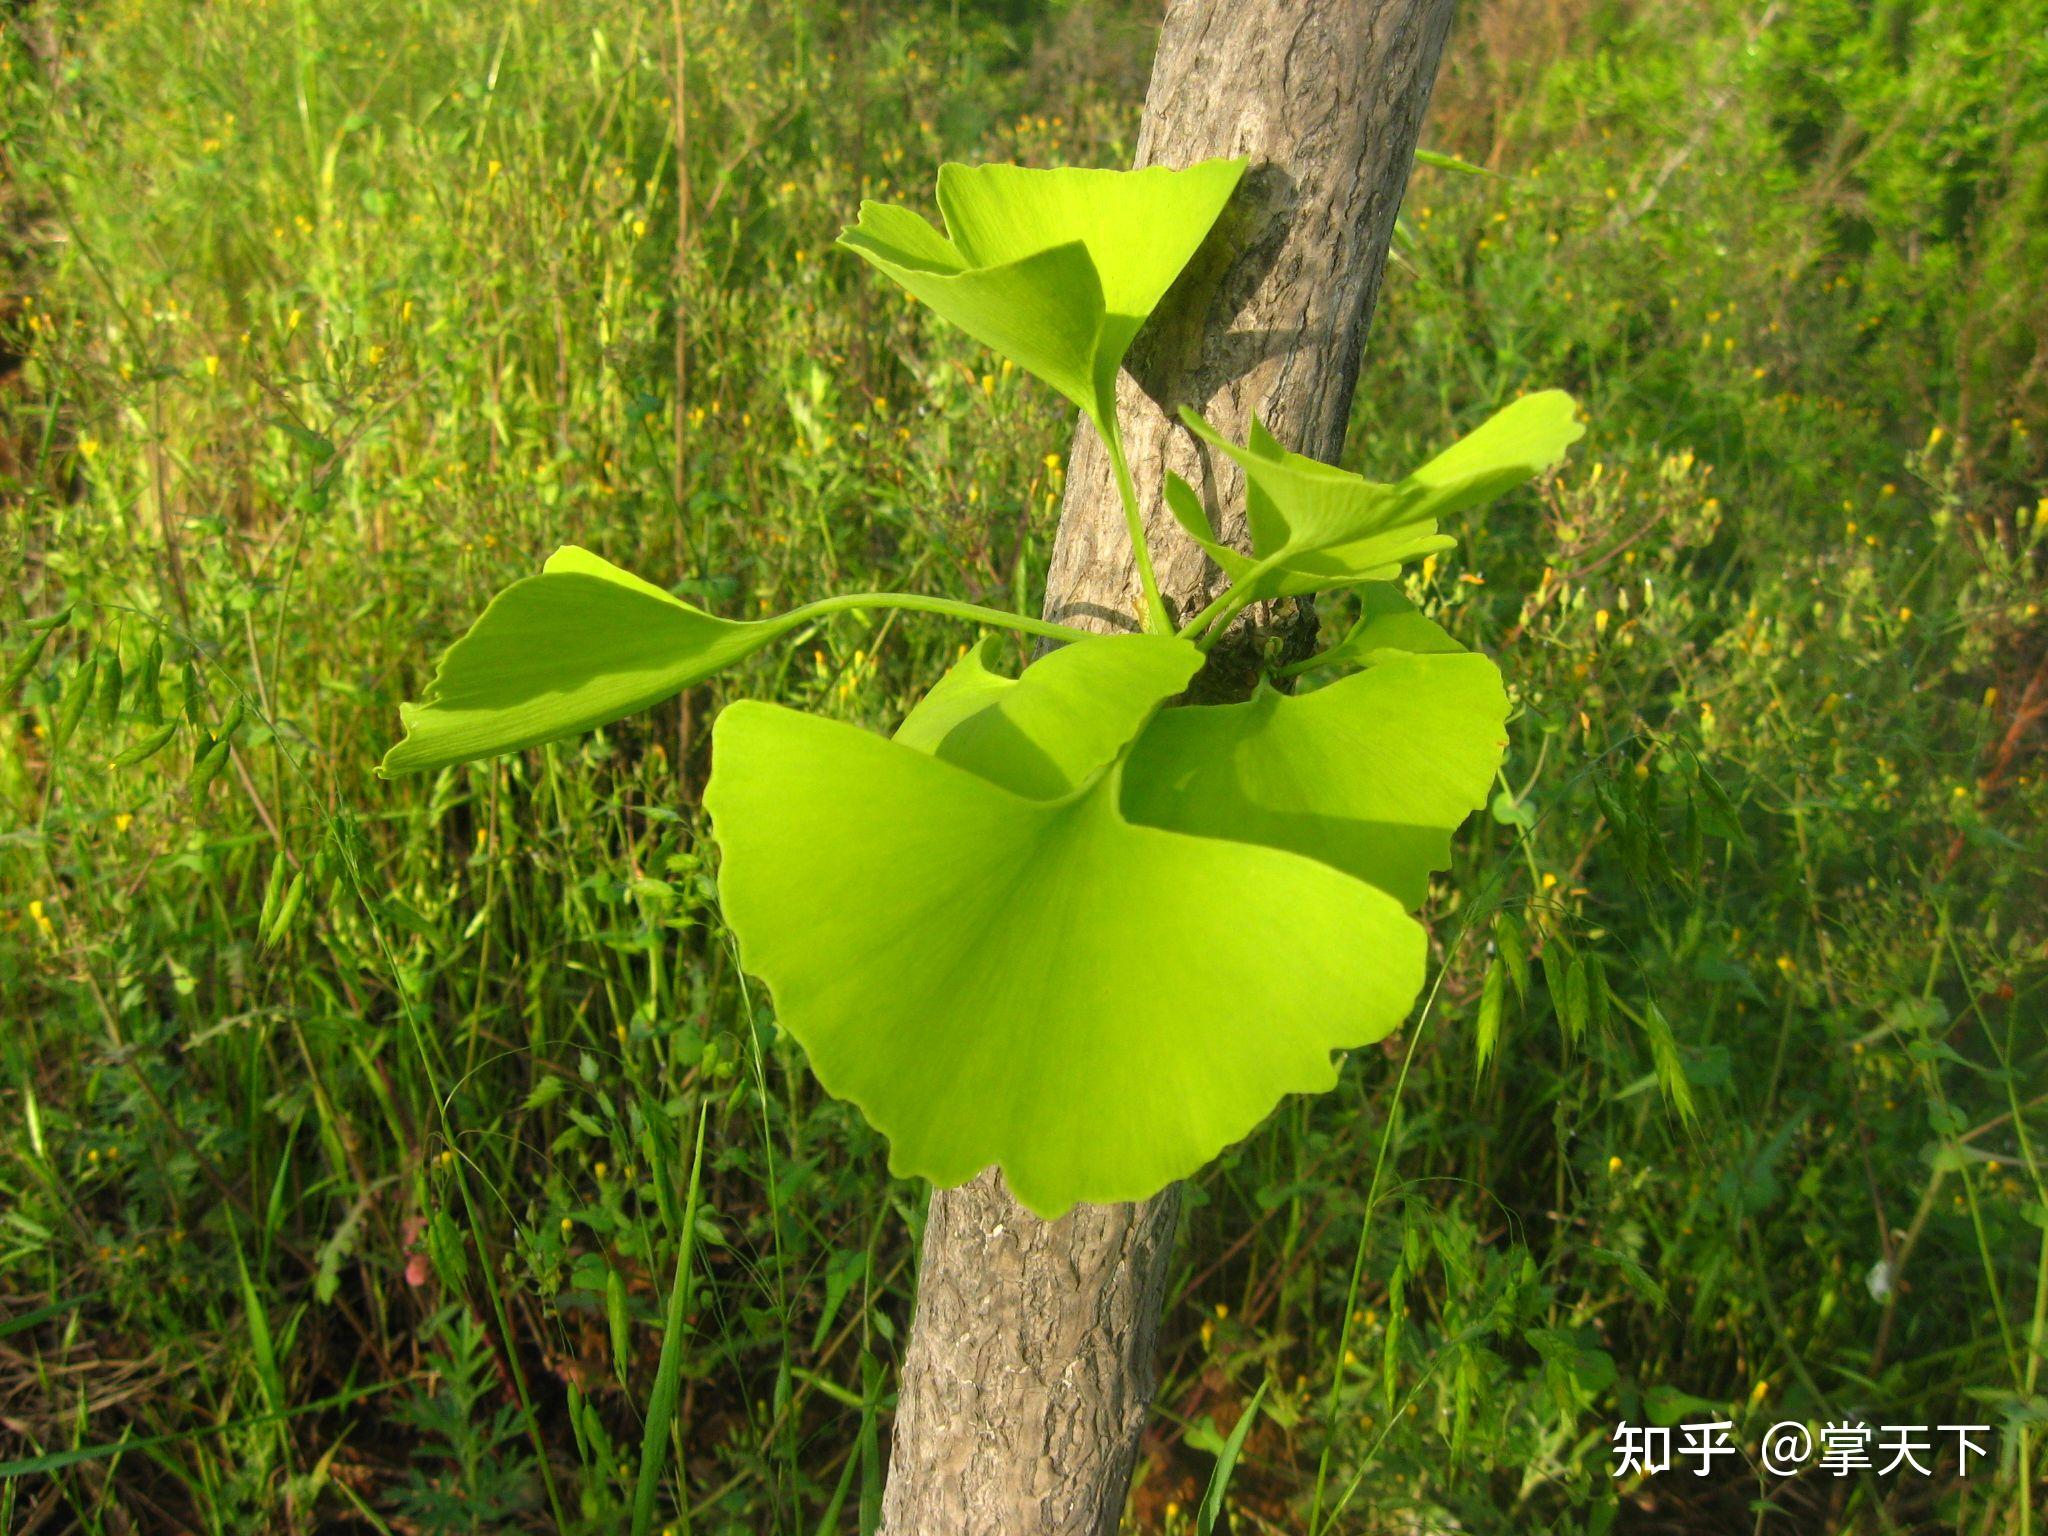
{"points": [[1055, 269], [1314, 526], [578, 646], [1370, 775], [1389, 626], [1073, 710], [1515, 444], [1097, 1007]]}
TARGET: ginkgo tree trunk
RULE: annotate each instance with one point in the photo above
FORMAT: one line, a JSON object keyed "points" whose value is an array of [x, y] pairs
{"points": [[1030, 1367]]}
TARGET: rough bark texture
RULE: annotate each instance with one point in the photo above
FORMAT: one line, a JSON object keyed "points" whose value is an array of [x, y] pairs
{"points": [[1030, 1365]]}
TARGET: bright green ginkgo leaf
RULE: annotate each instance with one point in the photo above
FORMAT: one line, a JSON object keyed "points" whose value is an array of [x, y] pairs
{"points": [[578, 646], [1517, 443], [1389, 626], [1370, 775], [1042, 734], [1098, 1008], [1056, 269], [1314, 526]]}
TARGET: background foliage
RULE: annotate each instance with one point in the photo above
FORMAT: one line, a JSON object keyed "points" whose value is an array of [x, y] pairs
{"points": [[345, 1125]]}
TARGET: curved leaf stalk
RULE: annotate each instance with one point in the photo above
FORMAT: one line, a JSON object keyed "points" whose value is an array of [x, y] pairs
{"points": [[1210, 625], [1199, 624], [1157, 619], [917, 602]]}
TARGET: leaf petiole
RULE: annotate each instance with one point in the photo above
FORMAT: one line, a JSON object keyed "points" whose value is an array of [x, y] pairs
{"points": [[1210, 625], [1206, 617], [919, 603], [1157, 619]]}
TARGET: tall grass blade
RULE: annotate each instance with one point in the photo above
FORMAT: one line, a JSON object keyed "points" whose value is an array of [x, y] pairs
{"points": [[661, 1405]]}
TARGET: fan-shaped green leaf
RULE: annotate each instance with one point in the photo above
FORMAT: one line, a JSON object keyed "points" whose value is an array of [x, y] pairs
{"points": [[1095, 1006], [578, 646], [1388, 626], [1040, 735], [1056, 269], [585, 643], [1314, 526], [1370, 775], [1516, 443]]}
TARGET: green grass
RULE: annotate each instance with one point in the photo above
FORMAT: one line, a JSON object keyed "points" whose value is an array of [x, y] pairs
{"points": [[347, 1128]]}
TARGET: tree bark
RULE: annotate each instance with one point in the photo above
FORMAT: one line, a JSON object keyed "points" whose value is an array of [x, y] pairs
{"points": [[1030, 1366]]}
